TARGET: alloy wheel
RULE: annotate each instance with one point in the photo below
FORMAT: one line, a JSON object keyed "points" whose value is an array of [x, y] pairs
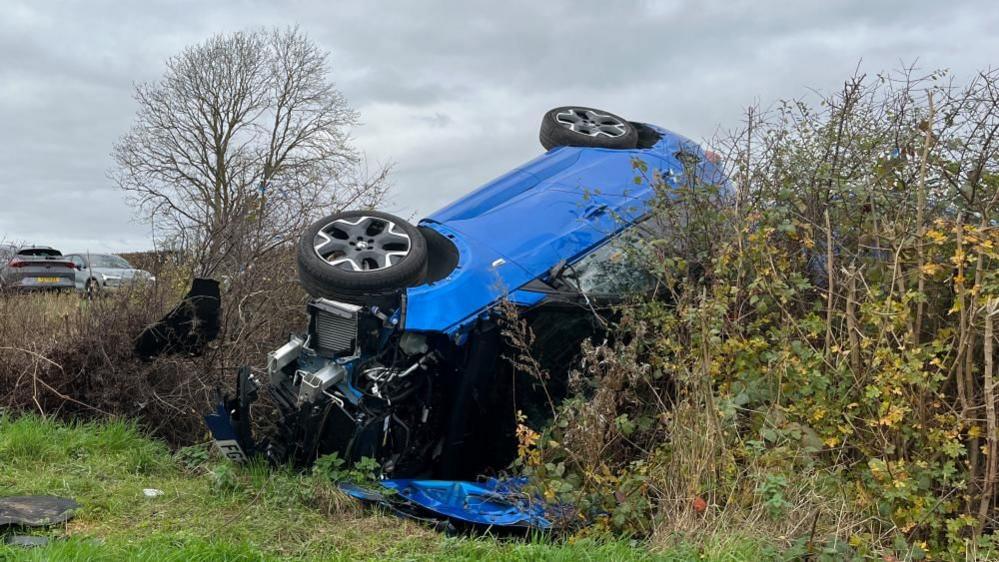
{"points": [[591, 123], [366, 243]]}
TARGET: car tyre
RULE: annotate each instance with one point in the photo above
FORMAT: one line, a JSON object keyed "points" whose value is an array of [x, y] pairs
{"points": [[91, 289], [361, 257], [585, 126]]}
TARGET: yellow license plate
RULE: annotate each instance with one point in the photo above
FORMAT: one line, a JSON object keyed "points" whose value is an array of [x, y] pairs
{"points": [[47, 279]]}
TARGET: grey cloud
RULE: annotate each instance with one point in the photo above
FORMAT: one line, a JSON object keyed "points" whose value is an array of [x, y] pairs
{"points": [[451, 92]]}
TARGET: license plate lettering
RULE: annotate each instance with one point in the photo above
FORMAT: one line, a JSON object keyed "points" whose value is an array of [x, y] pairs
{"points": [[231, 449]]}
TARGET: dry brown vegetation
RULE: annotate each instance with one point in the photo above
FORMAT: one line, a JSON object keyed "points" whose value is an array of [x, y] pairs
{"points": [[243, 142], [64, 355]]}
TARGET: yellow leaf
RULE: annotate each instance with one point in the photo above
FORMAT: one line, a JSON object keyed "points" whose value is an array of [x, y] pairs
{"points": [[936, 236], [931, 268]]}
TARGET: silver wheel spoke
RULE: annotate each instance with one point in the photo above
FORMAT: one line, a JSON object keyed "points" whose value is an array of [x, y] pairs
{"points": [[610, 130], [348, 261], [326, 244], [568, 117]]}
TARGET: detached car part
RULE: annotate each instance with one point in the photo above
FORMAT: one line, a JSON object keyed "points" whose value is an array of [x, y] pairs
{"points": [[36, 511], [402, 358], [188, 327]]}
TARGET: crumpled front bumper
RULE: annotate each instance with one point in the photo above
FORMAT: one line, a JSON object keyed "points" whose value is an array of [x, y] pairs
{"points": [[493, 503]]}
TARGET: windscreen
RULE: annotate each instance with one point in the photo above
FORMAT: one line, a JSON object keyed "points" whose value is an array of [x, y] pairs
{"points": [[39, 252], [111, 262]]}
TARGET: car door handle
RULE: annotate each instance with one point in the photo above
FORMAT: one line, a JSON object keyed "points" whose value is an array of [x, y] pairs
{"points": [[594, 211]]}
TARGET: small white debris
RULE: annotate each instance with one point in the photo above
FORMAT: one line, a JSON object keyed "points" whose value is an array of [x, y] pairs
{"points": [[151, 492]]}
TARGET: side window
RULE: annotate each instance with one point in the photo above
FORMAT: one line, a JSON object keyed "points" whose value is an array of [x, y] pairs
{"points": [[614, 269], [78, 261]]}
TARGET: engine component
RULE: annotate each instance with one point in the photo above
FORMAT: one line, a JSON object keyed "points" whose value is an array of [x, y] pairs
{"points": [[314, 384], [412, 343], [282, 357], [333, 327], [380, 373]]}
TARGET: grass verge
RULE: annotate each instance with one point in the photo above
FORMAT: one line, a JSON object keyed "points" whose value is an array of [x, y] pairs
{"points": [[214, 511]]}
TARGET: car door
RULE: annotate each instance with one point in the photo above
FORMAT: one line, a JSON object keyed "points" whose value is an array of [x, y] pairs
{"points": [[80, 269]]}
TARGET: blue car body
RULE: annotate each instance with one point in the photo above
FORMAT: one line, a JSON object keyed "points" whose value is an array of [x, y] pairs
{"points": [[508, 237], [555, 208]]}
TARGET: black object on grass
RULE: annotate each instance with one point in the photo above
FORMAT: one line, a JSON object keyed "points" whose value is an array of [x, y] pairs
{"points": [[188, 327]]}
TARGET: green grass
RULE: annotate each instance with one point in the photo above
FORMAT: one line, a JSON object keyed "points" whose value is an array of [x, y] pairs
{"points": [[215, 511]]}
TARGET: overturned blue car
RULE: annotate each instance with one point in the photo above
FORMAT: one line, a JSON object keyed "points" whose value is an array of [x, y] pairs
{"points": [[402, 360]]}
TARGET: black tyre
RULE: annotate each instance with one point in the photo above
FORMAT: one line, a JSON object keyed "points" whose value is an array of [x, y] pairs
{"points": [[91, 289], [361, 257], [585, 126]]}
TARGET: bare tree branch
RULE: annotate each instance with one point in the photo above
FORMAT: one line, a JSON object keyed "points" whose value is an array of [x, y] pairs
{"points": [[240, 145]]}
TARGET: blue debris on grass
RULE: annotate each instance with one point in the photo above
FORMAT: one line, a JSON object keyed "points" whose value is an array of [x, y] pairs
{"points": [[490, 503]]}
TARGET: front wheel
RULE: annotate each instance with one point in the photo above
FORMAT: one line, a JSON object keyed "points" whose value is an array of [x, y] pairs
{"points": [[585, 126], [361, 257]]}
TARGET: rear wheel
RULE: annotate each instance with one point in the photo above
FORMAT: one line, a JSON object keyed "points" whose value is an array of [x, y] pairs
{"points": [[585, 126], [92, 288], [361, 257]]}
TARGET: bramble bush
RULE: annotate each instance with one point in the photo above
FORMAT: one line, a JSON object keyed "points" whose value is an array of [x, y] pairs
{"points": [[821, 369]]}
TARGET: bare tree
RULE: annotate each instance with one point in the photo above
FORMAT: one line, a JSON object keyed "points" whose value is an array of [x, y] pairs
{"points": [[242, 143]]}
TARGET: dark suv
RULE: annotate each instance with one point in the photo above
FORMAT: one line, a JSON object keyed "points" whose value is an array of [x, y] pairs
{"points": [[35, 268]]}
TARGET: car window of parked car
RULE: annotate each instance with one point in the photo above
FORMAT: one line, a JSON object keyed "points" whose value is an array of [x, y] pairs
{"points": [[108, 261], [39, 252]]}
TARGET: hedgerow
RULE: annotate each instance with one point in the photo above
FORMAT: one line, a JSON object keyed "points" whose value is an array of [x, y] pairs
{"points": [[818, 364]]}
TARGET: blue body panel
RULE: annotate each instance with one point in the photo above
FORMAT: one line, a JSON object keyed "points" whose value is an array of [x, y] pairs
{"points": [[555, 208], [500, 503]]}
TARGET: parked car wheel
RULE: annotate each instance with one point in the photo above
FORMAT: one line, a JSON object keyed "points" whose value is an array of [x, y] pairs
{"points": [[91, 289], [585, 126], [361, 257]]}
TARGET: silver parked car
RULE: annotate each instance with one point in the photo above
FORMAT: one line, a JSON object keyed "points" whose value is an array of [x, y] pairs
{"points": [[95, 272], [35, 268]]}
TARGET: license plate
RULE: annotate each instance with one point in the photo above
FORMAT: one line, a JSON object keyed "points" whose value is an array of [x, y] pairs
{"points": [[47, 279], [231, 449]]}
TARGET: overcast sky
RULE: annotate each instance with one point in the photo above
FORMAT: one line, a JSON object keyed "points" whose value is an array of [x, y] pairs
{"points": [[451, 92]]}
